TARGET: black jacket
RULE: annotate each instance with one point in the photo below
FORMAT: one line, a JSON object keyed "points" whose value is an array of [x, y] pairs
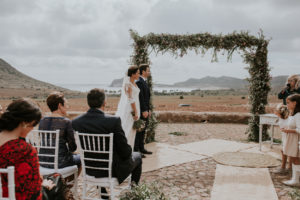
{"points": [[287, 92], [95, 121], [144, 95]]}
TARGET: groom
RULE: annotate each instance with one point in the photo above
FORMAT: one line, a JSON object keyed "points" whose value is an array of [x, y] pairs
{"points": [[144, 98]]}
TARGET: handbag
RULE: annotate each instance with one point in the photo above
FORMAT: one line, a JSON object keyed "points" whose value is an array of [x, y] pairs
{"points": [[59, 191]]}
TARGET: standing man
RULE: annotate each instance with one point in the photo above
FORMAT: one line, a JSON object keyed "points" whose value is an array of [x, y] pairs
{"points": [[144, 98]]}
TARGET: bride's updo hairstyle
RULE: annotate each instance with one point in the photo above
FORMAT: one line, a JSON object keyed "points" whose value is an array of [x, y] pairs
{"points": [[22, 110], [132, 70]]}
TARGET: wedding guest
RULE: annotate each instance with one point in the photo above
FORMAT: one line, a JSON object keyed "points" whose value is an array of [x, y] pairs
{"points": [[283, 113], [293, 138], [95, 121], [292, 87], [57, 121], [15, 123]]}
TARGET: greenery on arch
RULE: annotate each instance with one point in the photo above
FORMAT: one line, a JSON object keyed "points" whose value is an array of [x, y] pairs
{"points": [[255, 54]]}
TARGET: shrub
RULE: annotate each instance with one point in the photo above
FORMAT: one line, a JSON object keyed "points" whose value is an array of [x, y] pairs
{"points": [[144, 191], [181, 97], [177, 133], [295, 194]]}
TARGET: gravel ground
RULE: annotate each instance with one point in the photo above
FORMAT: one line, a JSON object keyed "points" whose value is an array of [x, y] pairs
{"points": [[190, 181], [194, 180], [193, 132]]}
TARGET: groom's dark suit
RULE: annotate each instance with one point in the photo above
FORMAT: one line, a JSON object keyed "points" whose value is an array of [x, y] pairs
{"points": [[124, 161], [144, 97]]}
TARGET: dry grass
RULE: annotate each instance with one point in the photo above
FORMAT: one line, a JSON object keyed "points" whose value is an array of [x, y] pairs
{"points": [[169, 103]]}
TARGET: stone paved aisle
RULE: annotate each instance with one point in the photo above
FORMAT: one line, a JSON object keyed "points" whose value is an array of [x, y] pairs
{"points": [[241, 183]]}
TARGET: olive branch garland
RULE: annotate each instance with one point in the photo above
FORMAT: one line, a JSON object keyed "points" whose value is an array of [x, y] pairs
{"points": [[255, 54]]}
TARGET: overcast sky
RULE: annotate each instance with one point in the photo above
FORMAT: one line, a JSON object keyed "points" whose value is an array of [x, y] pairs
{"points": [[88, 41]]}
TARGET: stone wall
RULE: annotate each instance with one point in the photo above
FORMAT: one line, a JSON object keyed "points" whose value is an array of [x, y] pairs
{"points": [[203, 117], [192, 117]]}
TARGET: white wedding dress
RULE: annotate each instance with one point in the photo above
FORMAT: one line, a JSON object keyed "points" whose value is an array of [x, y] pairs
{"points": [[124, 109]]}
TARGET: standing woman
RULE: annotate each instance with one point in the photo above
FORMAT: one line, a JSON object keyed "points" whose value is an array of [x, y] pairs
{"points": [[292, 87], [293, 137], [15, 123], [129, 104]]}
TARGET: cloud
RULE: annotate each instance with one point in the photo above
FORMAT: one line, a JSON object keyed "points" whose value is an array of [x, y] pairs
{"points": [[88, 41]]}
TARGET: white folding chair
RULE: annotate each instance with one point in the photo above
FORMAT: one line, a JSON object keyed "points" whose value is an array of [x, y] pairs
{"points": [[10, 171], [101, 144], [48, 142]]}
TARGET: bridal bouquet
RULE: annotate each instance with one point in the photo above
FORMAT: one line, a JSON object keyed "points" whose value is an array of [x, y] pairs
{"points": [[139, 125]]}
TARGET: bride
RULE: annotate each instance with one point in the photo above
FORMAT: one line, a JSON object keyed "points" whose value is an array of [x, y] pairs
{"points": [[129, 104]]}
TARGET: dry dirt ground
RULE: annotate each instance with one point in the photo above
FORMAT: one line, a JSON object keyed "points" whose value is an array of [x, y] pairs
{"points": [[195, 180], [168, 103], [192, 180]]}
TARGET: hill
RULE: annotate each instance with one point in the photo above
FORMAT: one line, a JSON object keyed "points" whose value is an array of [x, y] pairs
{"points": [[116, 83], [225, 82], [14, 83], [219, 82], [119, 82]]}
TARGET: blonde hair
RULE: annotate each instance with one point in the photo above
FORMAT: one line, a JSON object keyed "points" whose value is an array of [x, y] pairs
{"points": [[297, 85], [296, 78], [282, 111]]}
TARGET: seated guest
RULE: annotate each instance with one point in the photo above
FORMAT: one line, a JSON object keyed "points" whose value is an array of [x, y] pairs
{"points": [[15, 123], [95, 121], [56, 121]]}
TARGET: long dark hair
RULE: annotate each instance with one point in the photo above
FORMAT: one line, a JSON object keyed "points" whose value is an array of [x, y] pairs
{"points": [[295, 98], [132, 70], [22, 110]]}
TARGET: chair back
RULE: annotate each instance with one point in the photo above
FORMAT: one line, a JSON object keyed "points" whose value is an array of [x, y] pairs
{"points": [[96, 151], [46, 143], [10, 171]]}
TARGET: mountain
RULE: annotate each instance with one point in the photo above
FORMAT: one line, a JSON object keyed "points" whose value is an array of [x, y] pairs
{"points": [[119, 82], [116, 83], [12, 78], [219, 82], [277, 82], [225, 82], [14, 83]]}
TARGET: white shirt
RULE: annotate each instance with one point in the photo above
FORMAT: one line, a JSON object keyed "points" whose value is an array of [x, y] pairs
{"points": [[143, 78]]}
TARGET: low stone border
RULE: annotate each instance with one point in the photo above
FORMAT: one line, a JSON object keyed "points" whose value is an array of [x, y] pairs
{"points": [[191, 117], [200, 117]]}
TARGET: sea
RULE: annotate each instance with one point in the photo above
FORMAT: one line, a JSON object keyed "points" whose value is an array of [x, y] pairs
{"points": [[117, 90]]}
